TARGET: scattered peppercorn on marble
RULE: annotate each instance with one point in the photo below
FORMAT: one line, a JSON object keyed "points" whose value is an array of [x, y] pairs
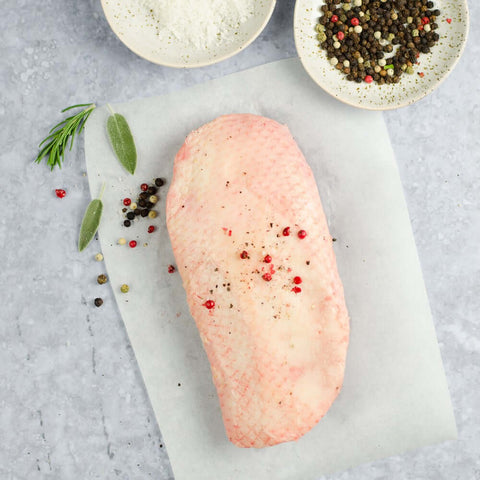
{"points": [[273, 322]]}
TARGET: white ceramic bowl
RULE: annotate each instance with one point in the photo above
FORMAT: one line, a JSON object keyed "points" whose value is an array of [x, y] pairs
{"points": [[183, 54], [435, 66]]}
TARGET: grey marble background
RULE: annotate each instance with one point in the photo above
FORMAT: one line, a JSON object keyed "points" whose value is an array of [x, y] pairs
{"points": [[72, 402]]}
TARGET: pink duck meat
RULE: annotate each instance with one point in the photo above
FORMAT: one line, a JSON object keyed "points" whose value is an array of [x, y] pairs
{"points": [[267, 301]]}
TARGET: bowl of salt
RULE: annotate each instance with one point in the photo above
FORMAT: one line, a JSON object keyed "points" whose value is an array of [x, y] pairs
{"points": [[187, 33]]}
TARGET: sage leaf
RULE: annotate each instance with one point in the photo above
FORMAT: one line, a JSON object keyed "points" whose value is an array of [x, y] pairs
{"points": [[122, 141], [90, 223]]}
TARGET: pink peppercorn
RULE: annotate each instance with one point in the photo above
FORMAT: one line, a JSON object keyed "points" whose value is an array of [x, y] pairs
{"points": [[355, 21], [368, 79], [334, 18], [209, 304], [340, 35]]}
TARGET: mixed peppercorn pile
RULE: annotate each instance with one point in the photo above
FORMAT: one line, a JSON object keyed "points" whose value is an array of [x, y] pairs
{"points": [[377, 40]]}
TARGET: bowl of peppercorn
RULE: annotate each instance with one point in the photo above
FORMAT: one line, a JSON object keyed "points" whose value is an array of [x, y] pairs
{"points": [[380, 54]]}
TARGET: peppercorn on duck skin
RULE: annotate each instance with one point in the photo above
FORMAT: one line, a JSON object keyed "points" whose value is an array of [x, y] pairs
{"points": [[255, 254]]}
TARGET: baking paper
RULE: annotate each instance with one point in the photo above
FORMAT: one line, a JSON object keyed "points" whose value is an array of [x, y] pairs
{"points": [[395, 395]]}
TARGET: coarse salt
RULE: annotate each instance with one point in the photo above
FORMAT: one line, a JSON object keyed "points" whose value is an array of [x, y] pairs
{"points": [[202, 23]]}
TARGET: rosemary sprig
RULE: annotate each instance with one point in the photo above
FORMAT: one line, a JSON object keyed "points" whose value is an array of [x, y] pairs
{"points": [[54, 146]]}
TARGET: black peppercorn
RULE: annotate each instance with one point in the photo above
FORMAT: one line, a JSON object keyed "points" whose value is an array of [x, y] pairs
{"points": [[127, 223], [137, 211], [144, 212], [149, 205], [130, 215], [142, 203], [98, 302], [159, 182], [152, 190]]}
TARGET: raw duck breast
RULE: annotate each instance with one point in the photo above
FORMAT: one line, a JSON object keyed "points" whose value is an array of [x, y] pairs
{"points": [[277, 347]]}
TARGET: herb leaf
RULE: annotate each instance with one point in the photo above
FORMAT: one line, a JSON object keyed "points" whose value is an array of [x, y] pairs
{"points": [[90, 222], [122, 141], [56, 143]]}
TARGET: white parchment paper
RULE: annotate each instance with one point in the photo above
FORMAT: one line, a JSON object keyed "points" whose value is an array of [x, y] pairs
{"points": [[395, 395]]}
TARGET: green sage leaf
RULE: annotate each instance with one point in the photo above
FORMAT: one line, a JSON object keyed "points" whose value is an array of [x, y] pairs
{"points": [[90, 223], [122, 141]]}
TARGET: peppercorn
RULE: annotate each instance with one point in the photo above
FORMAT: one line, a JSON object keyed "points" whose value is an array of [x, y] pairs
{"points": [[267, 259], [127, 202], [124, 288], [151, 229], [144, 187], [127, 223], [137, 212], [130, 215], [153, 199], [98, 302], [132, 244], [171, 269], [209, 304], [133, 206], [152, 214], [101, 279], [362, 31], [98, 257], [159, 182], [244, 255], [149, 205], [152, 190], [144, 212], [121, 241]]}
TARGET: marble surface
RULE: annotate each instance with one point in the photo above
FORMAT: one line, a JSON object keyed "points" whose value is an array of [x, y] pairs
{"points": [[72, 402]]}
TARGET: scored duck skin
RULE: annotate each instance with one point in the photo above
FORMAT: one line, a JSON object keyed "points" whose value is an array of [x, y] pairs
{"points": [[277, 349]]}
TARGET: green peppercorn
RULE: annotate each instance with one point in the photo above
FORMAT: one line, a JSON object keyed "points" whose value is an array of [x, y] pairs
{"points": [[124, 288]]}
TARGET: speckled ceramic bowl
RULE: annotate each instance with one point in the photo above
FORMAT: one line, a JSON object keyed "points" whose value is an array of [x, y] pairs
{"points": [[183, 54], [435, 66]]}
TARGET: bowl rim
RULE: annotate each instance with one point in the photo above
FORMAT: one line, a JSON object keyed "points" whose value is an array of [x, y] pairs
{"points": [[421, 94], [215, 60]]}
